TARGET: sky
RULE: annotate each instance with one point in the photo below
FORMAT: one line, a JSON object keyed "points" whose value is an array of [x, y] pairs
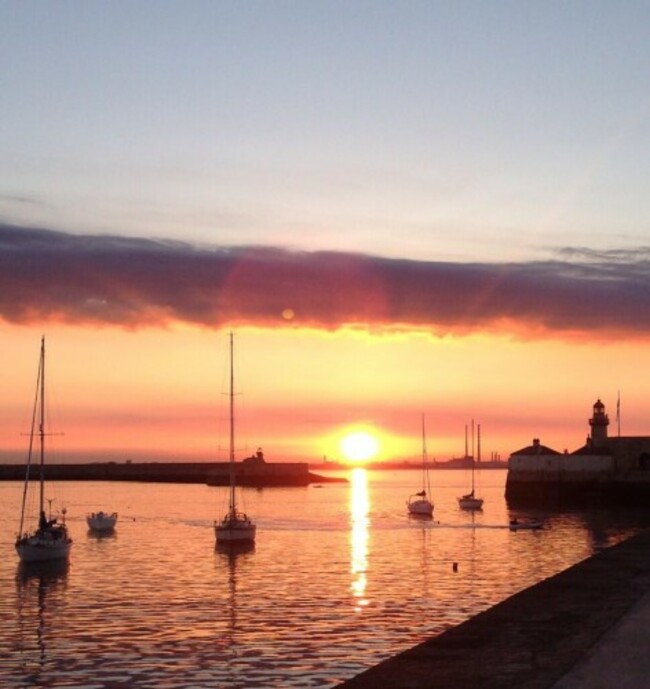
{"points": [[400, 209]]}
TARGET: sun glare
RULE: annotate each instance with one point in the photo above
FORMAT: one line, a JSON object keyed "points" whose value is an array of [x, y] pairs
{"points": [[359, 446]]}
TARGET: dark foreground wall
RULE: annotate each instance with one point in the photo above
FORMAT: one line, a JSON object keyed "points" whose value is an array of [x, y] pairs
{"points": [[530, 640]]}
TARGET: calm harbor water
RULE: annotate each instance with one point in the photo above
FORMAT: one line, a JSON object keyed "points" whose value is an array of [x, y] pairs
{"points": [[339, 579]]}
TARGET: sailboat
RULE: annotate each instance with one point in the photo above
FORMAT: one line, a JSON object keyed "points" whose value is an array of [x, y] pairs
{"points": [[50, 540], [419, 504], [469, 501], [235, 527]]}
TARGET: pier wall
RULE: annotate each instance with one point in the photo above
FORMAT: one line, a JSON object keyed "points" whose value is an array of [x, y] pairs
{"points": [[561, 488], [533, 638], [570, 465], [212, 473], [569, 480], [267, 474]]}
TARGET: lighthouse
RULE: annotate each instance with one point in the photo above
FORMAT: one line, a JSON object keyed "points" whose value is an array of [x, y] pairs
{"points": [[599, 422]]}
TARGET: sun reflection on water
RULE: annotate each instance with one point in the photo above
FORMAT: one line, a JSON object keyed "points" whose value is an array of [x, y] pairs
{"points": [[359, 509]]}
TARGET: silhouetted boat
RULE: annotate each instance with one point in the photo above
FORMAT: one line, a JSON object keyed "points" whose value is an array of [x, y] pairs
{"points": [[419, 503], [530, 524], [50, 540], [101, 521], [236, 526]]}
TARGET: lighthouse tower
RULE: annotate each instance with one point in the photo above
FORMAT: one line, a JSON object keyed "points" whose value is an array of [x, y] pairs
{"points": [[599, 422]]}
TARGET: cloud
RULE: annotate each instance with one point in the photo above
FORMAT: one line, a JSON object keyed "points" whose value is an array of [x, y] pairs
{"points": [[48, 275]]}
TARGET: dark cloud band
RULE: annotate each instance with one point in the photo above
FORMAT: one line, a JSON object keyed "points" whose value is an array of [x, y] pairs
{"points": [[143, 282]]}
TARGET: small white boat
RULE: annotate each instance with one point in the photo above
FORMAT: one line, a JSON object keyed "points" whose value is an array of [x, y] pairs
{"points": [[101, 521], [419, 504], [236, 526], [50, 540], [530, 524]]}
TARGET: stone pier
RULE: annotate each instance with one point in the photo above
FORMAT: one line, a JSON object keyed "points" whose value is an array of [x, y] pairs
{"points": [[567, 632]]}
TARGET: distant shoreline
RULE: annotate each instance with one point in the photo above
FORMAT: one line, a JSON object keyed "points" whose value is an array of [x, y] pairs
{"points": [[10, 465], [388, 466]]}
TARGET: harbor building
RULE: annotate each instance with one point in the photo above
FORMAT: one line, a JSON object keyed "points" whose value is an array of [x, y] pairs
{"points": [[606, 469]]}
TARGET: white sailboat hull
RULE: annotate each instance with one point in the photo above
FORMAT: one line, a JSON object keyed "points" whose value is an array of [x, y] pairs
{"points": [[420, 507], [468, 502], [101, 521], [238, 530], [43, 547]]}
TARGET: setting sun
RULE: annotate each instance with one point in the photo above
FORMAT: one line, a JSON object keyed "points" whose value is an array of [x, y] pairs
{"points": [[359, 446]]}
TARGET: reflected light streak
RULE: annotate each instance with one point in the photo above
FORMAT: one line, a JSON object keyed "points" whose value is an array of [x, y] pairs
{"points": [[359, 508]]}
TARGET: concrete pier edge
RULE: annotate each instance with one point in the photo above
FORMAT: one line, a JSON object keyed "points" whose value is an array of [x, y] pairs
{"points": [[532, 639]]}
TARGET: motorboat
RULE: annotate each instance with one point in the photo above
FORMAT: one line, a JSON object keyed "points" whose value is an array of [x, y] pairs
{"points": [[530, 524], [101, 521]]}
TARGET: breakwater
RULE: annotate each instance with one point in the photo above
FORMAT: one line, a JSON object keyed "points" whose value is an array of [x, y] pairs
{"points": [[571, 489], [533, 638], [212, 473]]}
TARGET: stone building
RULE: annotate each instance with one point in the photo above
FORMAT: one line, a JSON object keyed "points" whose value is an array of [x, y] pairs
{"points": [[605, 467]]}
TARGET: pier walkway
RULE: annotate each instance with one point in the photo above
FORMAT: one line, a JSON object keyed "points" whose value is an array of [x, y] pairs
{"points": [[620, 659], [585, 628]]}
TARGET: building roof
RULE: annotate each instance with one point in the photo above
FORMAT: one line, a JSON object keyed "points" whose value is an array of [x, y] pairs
{"points": [[590, 449], [536, 449]]}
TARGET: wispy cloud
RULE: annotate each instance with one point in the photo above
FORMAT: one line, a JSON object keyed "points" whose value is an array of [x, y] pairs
{"points": [[47, 275]]}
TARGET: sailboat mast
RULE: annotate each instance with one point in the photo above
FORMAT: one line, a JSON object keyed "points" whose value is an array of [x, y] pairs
{"points": [[472, 440], [424, 446], [31, 444], [41, 431], [232, 429], [425, 474], [478, 452]]}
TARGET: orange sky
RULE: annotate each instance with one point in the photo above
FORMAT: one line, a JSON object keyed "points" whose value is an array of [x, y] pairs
{"points": [[326, 342], [162, 392]]}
